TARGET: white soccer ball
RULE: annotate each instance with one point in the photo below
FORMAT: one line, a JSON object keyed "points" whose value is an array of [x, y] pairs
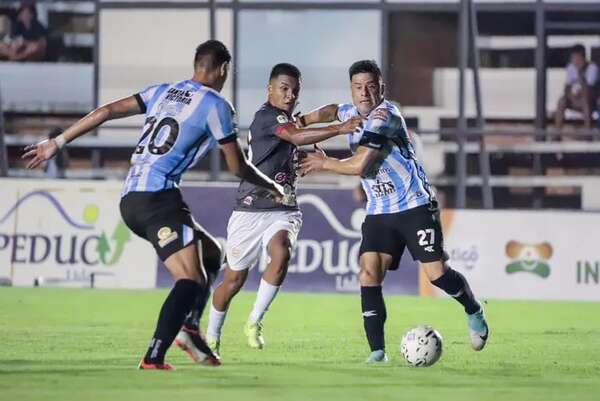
{"points": [[421, 346]]}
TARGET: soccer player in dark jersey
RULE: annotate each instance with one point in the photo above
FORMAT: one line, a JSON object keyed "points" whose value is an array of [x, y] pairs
{"points": [[258, 224], [401, 206], [184, 121]]}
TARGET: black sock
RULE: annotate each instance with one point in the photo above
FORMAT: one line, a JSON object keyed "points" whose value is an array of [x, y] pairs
{"points": [[193, 318], [374, 315], [455, 285], [176, 306], [212, 266]]}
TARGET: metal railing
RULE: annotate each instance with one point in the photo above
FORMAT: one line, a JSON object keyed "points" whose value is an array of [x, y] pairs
{"points": [[3, 152]]}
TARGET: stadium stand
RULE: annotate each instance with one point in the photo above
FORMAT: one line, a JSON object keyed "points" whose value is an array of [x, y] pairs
{"points": [[519, 156]]}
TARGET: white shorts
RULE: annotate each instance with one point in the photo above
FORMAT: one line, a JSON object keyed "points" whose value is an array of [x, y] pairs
{"points": [[249, 233]]}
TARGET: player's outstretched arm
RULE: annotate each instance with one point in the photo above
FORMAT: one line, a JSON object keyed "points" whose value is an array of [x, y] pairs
{"points": [[358, 164], [46, 149], [241, 167], [324, 114], [308, 136]]}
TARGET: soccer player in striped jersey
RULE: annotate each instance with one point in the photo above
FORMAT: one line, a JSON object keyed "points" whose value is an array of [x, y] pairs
{"points": [[184, 121], [401, 206]]}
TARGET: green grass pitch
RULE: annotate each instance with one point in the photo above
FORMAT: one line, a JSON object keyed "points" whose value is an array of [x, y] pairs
{"points": [[60, 344]]}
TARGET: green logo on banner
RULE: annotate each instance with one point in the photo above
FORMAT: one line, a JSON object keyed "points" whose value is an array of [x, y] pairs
{"points": [[529, 258]]}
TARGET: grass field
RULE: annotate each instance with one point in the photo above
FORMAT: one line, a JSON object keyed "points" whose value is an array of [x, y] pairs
{"points": [[59, 344]]}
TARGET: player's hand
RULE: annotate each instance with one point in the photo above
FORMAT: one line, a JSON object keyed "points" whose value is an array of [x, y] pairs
{"points": [[40, 152], [278, 193], [350, 125], [312, 161], [289, 196], [299, 120]]}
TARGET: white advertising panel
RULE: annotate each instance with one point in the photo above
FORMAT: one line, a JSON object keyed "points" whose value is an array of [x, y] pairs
{"points": [[525, 254], [57, 232]]}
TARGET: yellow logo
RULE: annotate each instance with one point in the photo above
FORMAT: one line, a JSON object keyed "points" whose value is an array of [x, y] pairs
{"points": [[164, 233]]}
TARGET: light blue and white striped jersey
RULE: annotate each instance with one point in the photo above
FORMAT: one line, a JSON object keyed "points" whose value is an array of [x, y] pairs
{"points": [[398, 181], [184, 121]]}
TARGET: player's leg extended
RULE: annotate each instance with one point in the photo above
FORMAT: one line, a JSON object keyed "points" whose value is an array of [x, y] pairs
{"points": [[211, 254], [233, 281], [455, 284], [373, 266], [185, 268], [422, 230], [190, 338], [279, 251]]}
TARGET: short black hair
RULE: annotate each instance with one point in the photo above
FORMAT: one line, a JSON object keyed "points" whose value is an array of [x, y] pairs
{"points": [[28, 6], [578, 49], [211, 54], [369, 66], [285, 69]]}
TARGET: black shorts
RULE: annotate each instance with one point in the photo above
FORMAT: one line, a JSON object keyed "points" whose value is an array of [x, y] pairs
{"points": [[162, 218], [418, 229]]}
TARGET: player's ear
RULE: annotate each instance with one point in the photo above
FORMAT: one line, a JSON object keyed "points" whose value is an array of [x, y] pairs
{"points": [[224, 68], [382, 86]]}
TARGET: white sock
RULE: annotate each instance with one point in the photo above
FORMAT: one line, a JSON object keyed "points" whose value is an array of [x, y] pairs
{"points": [[265, 295], [215, 323]]}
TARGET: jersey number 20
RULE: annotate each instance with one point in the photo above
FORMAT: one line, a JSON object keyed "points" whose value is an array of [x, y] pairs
{"points": [[170, 123]]}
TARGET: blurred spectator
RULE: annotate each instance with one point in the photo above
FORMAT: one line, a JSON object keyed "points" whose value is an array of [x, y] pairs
{"points": [[581, 88], [28, 38], [5, 28]]}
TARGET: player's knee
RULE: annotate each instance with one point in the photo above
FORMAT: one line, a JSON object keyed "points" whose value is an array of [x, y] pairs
{"points": [[282, 257], [234, 284], [369, 276], [281, 252], [435, 270]]}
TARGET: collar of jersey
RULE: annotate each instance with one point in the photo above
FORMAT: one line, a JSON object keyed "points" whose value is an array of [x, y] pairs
{"points": [[380, 105], [200, 85], [277, 108]]}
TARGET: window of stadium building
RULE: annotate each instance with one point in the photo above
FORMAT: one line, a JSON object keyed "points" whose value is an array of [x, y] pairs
{"points": [[322, 57]]}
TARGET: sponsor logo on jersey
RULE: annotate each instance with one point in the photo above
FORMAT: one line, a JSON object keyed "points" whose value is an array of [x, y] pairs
{"points": [[282, 119], [179, 96], [383, 188], [381, 114], [280, 177]]}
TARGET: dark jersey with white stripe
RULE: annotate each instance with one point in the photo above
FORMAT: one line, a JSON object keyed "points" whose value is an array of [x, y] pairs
{"points": [[273, 156]]}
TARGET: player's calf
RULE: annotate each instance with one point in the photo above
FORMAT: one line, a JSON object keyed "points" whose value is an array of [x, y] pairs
{"points": [[456, 285]]}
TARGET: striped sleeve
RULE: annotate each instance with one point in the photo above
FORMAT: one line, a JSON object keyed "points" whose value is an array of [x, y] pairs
{"points": [[220, 121], [343, 112], [145, 97], [379, 120], [374, 133]]}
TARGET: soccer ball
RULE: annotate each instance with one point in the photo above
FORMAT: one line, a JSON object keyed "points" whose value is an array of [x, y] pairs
{"points": [[421, 346]]}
